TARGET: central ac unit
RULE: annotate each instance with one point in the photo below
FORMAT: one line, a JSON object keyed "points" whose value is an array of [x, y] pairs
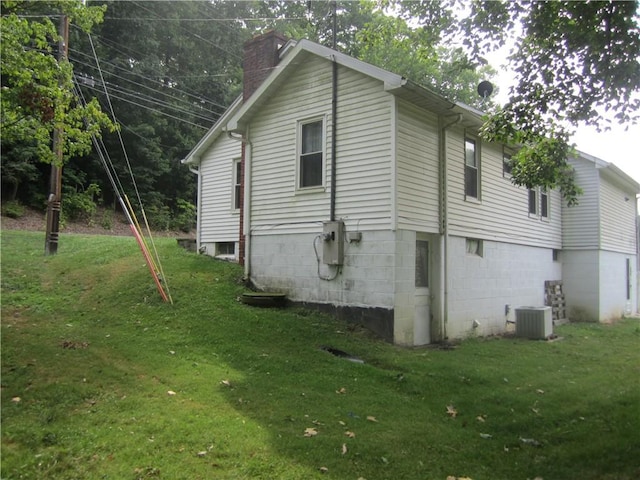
{"points": [[534, 322]]}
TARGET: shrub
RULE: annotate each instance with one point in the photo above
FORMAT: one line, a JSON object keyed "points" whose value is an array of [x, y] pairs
{"points": [[80, 205], [13, 209], [185, 217]]}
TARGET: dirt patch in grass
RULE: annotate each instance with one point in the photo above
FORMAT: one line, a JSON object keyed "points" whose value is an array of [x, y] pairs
{"points": [[35, 220]]}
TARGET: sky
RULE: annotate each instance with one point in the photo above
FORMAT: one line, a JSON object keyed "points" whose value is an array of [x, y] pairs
{"points": [[620, 145], [617, 146]]}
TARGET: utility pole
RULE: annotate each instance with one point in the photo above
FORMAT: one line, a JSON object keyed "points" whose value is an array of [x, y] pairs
{"points": [[55, 187]]}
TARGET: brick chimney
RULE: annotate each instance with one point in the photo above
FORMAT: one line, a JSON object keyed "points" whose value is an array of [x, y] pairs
{"points": [[261, 55]]}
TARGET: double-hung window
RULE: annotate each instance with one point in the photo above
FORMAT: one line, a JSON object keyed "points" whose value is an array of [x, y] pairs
{"points": [[311, 153], [507, 164], [237, 178], [533, 201], [539, 202], [471, 176], [544, 203]]}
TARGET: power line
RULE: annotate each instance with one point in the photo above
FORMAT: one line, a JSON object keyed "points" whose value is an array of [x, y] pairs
{"points": [[207, 19]]}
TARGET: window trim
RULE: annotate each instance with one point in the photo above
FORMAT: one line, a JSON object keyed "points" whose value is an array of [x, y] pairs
{"points": [[539, 193], [534, 204], [506, 172], [544, 212], [236, 184], [300, 125], [478, 251], [477, 169]]}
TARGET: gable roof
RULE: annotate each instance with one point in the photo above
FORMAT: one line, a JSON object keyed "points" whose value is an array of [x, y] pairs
{"points": [[297, 52]]}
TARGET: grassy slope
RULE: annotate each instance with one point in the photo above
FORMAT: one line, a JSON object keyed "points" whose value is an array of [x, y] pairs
{"points": [[248, 382]]}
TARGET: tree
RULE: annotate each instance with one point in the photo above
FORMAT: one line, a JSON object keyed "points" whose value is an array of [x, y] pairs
{"points": [[170, 70], [575, 62], [37, 89]]}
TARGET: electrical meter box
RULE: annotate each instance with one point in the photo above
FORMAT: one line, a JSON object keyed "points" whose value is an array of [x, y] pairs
{"points": [[333, 243]]}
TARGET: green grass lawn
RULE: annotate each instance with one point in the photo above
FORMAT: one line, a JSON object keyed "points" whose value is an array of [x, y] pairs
{"points": [[102, 380]]}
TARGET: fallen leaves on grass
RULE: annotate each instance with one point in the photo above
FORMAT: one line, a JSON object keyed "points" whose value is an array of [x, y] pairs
{"points": [[342, 391], [480, 418], [323, 470], [451, 477], [531, 441], [171, 393], [16, 399], [451, 411], [371, 418], [350, 434], [310, 432], [226, 383], [344, 449], [73, 345]]}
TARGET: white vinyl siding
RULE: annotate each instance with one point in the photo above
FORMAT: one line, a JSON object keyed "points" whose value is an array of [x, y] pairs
{"points": [[617, 219], [503, 213], [363, 152], [580, 222], [218, 219], [417, 169]]}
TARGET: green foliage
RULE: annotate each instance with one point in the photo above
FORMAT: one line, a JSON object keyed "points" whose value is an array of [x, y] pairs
{"points": [[576, 63], [37, 88], [12, 209], [185, 218], [80, 205], [90, 354]]}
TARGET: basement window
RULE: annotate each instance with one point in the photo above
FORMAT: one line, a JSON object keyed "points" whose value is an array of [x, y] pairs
{"points": [[474, 247], [225, 249]]}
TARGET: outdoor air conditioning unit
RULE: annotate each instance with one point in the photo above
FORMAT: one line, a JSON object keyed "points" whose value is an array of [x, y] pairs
{"points": [[534, 322]]}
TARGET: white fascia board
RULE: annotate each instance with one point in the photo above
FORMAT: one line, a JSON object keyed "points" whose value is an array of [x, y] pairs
{"points": [[193, 157]]}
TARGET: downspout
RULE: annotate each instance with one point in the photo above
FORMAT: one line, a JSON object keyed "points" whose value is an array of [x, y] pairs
{"points": [[334, 110], [198, 207], [246, 199], [444, 226]]}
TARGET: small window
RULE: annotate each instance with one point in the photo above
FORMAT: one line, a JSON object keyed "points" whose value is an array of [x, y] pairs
{"points": [[225, 248], [556, 255], [470, 168], [474, 247], [544, 203], [533, 201], [237, 190], [507, 164], [422, 263], [311, 154]]}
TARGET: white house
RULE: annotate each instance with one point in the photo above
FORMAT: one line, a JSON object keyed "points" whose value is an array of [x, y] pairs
{"points": [[599, 243], [351, 188]]}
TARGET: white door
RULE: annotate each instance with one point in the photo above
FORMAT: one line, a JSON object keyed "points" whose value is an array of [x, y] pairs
{"points": [[422, 311]]}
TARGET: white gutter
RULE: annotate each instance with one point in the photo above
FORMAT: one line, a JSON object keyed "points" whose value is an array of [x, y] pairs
{"points": [[196, 171], [248, 153], [246, 199], [444, 226]]}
